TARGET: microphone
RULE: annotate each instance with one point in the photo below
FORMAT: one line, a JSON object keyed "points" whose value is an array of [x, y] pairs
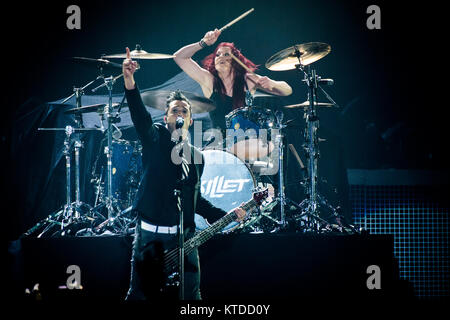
{"points": [[179, 123]]}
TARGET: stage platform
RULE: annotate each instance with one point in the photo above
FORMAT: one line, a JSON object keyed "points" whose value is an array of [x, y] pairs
{"points": [[240, 266]]}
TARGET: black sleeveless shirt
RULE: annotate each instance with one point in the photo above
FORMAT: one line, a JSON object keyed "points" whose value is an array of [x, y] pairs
{"points": [[223, 107]]}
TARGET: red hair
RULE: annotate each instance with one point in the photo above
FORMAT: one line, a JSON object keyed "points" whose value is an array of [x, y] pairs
{"points": [[239, 73]]}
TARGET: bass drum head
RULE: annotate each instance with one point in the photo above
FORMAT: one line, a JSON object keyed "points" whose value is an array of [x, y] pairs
{"points": [[226, 182]]}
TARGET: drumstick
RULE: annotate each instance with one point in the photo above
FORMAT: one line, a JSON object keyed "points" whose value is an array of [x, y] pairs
{"points": [[244, 66], [241, 63], [294, 152], [236, 20]]}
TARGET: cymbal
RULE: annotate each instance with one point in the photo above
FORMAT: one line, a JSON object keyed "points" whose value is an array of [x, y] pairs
{"points": [[306, 104], [157, 99], [140, 54], [73, 129], [98, 62], [287, 59], [260, 94], [99, 108]]}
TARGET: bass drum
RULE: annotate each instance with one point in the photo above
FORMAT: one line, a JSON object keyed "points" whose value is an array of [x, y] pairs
{"points": [[226, 182]]}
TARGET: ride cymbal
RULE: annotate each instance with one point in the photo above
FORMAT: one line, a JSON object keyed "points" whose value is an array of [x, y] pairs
{"points": [[303, 54], [138, 53]]}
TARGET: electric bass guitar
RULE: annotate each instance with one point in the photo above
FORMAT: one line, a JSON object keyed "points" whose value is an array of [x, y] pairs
{"points": [[171, 258]]}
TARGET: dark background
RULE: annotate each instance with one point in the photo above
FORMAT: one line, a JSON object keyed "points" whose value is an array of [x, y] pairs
{"points": [[389, 83]]}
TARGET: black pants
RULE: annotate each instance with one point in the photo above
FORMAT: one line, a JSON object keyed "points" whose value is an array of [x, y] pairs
{"points": [[147, 276]]}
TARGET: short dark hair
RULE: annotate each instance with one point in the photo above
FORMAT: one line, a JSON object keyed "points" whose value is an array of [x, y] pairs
{"points": [[177, 95]]}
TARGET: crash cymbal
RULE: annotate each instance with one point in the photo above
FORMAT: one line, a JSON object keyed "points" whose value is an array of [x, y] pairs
{"points": [[157, 99], [97, 62], [99, 108], [287, 59], [138, 53], [306, 104]]}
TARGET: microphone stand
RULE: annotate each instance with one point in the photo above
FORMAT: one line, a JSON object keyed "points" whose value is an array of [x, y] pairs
{"points": [[178, 194]]}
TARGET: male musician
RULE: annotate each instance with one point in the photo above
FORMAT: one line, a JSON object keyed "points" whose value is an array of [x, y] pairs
{"points": [[157, 205]]}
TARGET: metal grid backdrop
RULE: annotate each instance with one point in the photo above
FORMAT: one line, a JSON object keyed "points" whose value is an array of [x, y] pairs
{"points": [[414, 207]]}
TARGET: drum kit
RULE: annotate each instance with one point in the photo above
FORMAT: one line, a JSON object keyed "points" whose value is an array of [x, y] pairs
{"points": [[117, 169]]}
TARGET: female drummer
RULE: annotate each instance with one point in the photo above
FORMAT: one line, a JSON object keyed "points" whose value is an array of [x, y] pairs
{"points": [[222, 79]]}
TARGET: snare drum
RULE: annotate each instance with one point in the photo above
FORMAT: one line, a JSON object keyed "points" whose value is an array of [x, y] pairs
{"points": [[249, 133], [226, 182]]}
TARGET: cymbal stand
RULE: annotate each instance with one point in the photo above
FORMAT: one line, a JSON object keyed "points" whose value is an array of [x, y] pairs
{"points": [[310, 206], [312, 126], [281, 195], [111, 208], [113, 211], [71, 212], [77, 145], [78, 93], [67, 211]]}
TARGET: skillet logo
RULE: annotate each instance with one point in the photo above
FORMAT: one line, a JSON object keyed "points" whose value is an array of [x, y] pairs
{"points": [[218, 186]]}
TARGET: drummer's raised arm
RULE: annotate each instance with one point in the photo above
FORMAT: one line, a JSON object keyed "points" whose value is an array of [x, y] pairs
{"points": [[183, 58]]}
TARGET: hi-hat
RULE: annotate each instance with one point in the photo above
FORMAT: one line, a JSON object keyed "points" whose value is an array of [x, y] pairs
{"points": [[306, 105], [138, 53], [288, 58], [157, 99]]}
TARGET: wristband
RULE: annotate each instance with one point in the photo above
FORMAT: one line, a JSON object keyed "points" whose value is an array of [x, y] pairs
{"points": [[202, 44]]}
